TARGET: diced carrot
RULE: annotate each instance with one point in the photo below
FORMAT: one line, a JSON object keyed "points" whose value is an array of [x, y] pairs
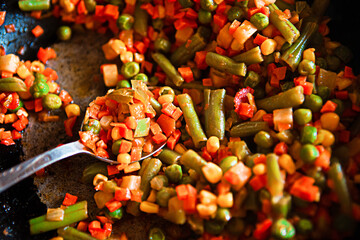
{"points": [[122, 194], [168, 109], [125, 146], [186, 73], [111, 11], [329, 106], [45, 54], [113, 205], [137, 110], [155, 128], [15, 135], [82, 226], [281, 148], [159, 138], [259, 39], [136, 153], [167, 124], [258, 182], [69, 125], [220, 20], [37, 31], [69, 199], [2, 17], [233, 26], [112, 170], [38, 105]]}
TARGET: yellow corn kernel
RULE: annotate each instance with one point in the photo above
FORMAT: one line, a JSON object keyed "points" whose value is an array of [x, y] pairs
{"points": [[127, 57], [225, 200], [206, 210], [258, 116], [72, 110], [309, 54], [57, 238], [259, 169], [99, 178], [329, 121], [166, 98], [212, 144], [124, 158], [23, 71], [286, 163], [55, 214], [67, 5], [152, 196], [138, 57], [132, 167], [207, 197], [268, 46], [280, 42], [149, 207], [180, 148], [325, 137], [37, 66], [53, 87], [212, 172]]}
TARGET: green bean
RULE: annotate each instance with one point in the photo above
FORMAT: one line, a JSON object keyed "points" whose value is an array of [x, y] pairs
{"points": [[214, 113], [239, 149], [252, 79], [185, 52], [281, 207], [192, 120], [247, 129], [158, 182], [169, 156], [12, 84], [173, 173], [51, 101], [151, 170], [274, 181], [282, 229], [193, 160], [287, 29], [140, 21], [284, 5], [162, 45], [34, 5], [290, 98], [336, 174], [163, 196], [225, 64], [156, 234], [70, 233], [190, 85], [144, 165], [168, 68], [227, 162], [73, 214]]}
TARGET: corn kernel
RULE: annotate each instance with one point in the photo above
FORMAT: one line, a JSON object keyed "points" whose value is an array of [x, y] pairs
{"points": [[72, 110], [212, 144], [124, 158], [207, 197], [329, 121], [57, 238], [286, 162], [259, 169], [206, 210], [23, 71], [99, 178], [149, 207], [53, 87], [37, 66], [166, 98], [152, 196], [309, 54], [225, 200], [212, 172]]}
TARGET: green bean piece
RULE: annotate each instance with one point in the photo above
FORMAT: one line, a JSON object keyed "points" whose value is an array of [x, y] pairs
{"points": [[186, 52], [302, 116], [189, 85], [152, 169], [309, 153], [34, 5], [313, 102], [306, 67], [287, 29], [163, 196], [140, 21], [64, 33], [156, 234], [214, 113], [236, 226], [304, 226], [177, 216], [168, 68], [260, 21], [155, 105], [130, 69], [92, 125], [144, 165], [51, 101], [70, 233], [308, 134], [115, 215], [92, 170], [282, 5], [336, 174], [73, 214], [90, 5], [162, 45], [208, 5], [235, 13], [291, 98], [225, 64], [125, 21], [228, 162], [205, 17], [281, 207], [193, 160], [213, 227], [282, 229], [158, 182], [241, 3], [169, 156], [286, 85], [263, 139], [192, 120], [239, 149], [247, 129], [223, 215], [274, 181], [250, 56], [12, 84], [173, 173], [252, 79]]}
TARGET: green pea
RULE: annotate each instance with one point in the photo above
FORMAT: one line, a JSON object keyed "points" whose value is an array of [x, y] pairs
{"points": [[306, 67], [321, 62], [308, 134], [141, 76], [92, 125], [323, 92], [282, 229], [263, 139], [235, 13], [115, 215], [304, 226], [260, 21], [115, 147], [236, 226], [313, 102], [64, 33], [90, 5], [309, 153], [125, 21], [158, 24], [214, 227], [174, 173], [223, 214], [208, 5], [130, 69], [252, 79], [123, 84], [163, 196], [51, 101], [39, 89], [156, 234], [162, 45], [205, 17], [227, 162]]}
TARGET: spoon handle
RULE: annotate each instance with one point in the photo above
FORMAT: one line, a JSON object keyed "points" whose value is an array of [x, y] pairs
{"points": [[23, 170]]}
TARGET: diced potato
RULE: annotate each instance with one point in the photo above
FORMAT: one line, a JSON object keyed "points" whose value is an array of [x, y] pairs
{"points": [[72, 110], [9, 63]]}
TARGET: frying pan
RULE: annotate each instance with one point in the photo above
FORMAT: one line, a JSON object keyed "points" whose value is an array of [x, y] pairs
{"points": [[77, 65]]}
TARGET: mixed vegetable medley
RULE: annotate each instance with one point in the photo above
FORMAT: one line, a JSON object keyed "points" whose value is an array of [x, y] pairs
{"points": [[257, 107]]}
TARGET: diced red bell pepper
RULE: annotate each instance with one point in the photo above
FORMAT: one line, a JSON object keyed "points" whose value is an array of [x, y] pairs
{"points": [[69, 199]]}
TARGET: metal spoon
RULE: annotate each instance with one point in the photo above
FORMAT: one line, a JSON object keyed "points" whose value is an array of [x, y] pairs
{"points": [[30, 166]]}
